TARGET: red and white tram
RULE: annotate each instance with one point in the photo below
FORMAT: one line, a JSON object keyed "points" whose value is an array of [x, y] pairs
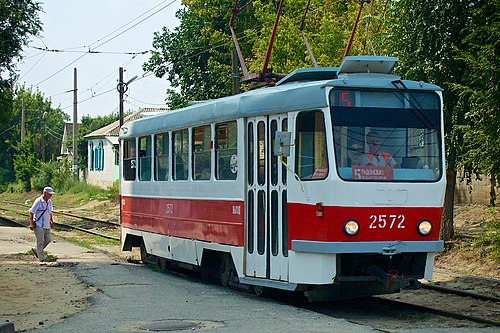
{"points": [[278, 187]]}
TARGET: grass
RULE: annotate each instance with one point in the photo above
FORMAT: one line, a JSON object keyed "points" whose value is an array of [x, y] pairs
{"points": [[48, 257], [489, 241], [85, 240]]}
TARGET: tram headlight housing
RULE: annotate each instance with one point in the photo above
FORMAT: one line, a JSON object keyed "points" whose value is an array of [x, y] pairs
{"points": [[351, 227], [424, 227]]}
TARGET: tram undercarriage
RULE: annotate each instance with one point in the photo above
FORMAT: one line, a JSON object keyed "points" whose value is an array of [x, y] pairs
{"points": [[358, 275]]}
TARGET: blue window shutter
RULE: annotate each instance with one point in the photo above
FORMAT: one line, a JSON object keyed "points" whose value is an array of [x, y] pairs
{"points": [[91, 156]]}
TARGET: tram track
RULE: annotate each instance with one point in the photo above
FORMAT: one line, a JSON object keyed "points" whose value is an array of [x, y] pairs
{"points": [[388, 314], [67, 226], [111, 223]]}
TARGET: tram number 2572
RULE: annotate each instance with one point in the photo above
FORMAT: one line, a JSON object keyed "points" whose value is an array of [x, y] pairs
{"points": [[383, 221]]}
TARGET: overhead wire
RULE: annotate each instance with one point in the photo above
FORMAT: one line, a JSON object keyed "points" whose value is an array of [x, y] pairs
{"points": [[111, 38]]}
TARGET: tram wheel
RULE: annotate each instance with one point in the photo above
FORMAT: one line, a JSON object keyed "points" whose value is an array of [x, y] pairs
{"points": [[144, 253], [224, 270], [260, 291]]}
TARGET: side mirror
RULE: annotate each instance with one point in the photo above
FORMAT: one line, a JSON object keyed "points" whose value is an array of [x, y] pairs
{"points": [[282, 143]]}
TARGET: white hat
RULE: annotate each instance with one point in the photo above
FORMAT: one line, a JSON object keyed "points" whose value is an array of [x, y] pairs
{"points": [[48, 189]]}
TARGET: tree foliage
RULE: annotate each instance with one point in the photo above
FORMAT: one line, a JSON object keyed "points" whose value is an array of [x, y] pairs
{"points": [[26, 164], [41, 121], [19, 21], [479, 90], [196, 56]]}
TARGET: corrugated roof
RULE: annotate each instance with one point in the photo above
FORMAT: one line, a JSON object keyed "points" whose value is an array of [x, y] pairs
{"points": [[113, 129]]}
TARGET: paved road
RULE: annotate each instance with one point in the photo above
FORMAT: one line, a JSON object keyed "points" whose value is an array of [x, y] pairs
{"points": [[133, 298]]}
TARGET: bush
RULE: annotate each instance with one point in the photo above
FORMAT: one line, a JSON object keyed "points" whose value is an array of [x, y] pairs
{"points": [[54, 173], [490, 239]]}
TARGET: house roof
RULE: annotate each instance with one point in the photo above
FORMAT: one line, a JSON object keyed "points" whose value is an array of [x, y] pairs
{"points": [[113, 129]]}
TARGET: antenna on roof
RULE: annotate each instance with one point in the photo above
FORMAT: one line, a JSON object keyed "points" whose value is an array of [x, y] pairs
{"points": [[311, 56], [265, 76], [353, 31]]}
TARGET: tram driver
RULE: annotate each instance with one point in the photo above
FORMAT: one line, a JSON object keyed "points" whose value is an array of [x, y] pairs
{"points": [[374, 155]]}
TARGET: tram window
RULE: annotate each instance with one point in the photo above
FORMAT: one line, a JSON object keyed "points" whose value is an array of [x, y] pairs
{"points": [[129, 162], [274, 223], [312, 161], [161, 156], [284, 223], [250, 217], [145, 158], [250, 154], [226, 154], [202, 136], [261, 222], [180, 154], [284, 128], [274, 158], [407, 124], [261, 153]]}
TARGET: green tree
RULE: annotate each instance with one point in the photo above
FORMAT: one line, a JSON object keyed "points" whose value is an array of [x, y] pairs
{"points": [[19, 21], [41, 122], [196, 56], [26, 164], [480, 90]]}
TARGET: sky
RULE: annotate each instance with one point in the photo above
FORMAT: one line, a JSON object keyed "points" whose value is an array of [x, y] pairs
{"points": [[114, 27]]}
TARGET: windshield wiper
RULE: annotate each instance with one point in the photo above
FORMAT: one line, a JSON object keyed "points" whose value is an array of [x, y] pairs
{"points": [[416, 107]]}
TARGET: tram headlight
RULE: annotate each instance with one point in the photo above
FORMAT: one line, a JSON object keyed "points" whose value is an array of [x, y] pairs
{"points": [[351, 227], [424, 227]]}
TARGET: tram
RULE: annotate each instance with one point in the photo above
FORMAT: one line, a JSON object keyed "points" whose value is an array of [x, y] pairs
{"points": [[268, 188]]}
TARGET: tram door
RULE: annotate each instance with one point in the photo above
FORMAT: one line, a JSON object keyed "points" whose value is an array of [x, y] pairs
{"points": [[266, 201]]}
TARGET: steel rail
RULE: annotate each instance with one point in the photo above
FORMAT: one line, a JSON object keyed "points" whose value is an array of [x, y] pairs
{"points": [[67, 214], [443, 312], [460, 293], [63, 225]]}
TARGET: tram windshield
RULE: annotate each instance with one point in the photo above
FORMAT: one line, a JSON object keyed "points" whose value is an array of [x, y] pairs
{"points": [[386, 135]]}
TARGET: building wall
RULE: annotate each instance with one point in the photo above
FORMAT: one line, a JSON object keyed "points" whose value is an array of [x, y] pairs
{"points": [[481, 191], [103, 178]]}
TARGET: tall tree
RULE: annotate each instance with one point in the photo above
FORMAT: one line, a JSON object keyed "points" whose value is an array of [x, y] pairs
{"points": [[428, 51], [19, 21], [480, 90], [195, 56], [43, 124]]}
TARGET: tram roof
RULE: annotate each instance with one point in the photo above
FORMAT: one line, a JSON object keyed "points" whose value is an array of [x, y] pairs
{"points": [[304, 92]]}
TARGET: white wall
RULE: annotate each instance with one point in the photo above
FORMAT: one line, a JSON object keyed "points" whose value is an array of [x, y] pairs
{"points": [[105, 177]]}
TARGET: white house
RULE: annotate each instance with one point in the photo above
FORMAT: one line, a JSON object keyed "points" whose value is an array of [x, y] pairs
{"points": [[103, 150]]}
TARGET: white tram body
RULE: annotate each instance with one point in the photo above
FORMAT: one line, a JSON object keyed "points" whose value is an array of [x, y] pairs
{"points": [[267, 187]]}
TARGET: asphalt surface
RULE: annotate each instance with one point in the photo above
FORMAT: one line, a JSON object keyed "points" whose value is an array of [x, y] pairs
{"points": [[135, 298]]}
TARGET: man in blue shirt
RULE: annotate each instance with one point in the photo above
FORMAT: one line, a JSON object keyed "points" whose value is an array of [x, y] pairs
{"points": [[41, 221]]}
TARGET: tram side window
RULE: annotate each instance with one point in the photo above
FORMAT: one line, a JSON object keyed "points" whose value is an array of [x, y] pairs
{"points": [[226, 154], [161, 156], [129, 163], [312, 161], [180, 154], [145, 158], [202, 153]]}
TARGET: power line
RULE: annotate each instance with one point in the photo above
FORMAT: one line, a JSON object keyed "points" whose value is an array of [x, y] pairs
{"points": [[88, 51], [110, 39]]}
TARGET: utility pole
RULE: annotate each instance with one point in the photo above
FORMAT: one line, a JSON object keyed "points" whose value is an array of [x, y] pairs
{"points": [[75, 124], [236, 73], [22, 117], [121, 90], [42, 128]]}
